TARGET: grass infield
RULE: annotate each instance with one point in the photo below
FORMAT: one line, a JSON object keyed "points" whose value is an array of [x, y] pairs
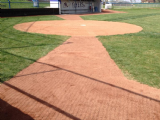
{"points": [[138, 54], [19, 49]]}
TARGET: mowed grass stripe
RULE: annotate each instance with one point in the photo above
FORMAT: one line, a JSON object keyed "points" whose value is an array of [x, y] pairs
{"points": [[138, 54], [19, 49]]}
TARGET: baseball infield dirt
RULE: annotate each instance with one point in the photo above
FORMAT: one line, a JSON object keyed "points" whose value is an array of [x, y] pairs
{"points": [[77, 80], [78, 27]]}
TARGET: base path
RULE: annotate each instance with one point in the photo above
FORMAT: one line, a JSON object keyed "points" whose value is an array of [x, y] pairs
{"points": [[77, 80]]}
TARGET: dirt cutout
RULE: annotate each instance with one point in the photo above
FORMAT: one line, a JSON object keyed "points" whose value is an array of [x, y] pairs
{"points": [[78, 27], [78, 80]]}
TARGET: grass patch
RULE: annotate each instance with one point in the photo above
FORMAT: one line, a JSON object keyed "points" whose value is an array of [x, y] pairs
{"points": [[138, 54], [19, 49]]}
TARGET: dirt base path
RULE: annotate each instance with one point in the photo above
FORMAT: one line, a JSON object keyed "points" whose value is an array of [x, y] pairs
{"points": [[70, 17], [77, 80]]}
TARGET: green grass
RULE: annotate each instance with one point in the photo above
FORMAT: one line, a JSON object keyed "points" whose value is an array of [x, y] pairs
{"points": [[138, 54], [19, 49], [23, 4], [140, 5]]}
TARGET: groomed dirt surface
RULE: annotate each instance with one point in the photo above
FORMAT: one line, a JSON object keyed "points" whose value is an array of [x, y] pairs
{"points": [[78, 80], [78, 27]]}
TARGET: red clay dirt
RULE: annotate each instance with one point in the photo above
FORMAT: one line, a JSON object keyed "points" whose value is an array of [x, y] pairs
{"points": [[78, 27], [70, 17], [79, 80]]}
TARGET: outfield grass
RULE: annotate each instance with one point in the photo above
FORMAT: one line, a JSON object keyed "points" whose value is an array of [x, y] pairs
{"points": [[22, 4], [138, 54], [136, 5], [19, 49]]}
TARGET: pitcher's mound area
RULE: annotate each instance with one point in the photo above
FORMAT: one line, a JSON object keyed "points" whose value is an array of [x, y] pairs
{"points": [[78, 27]]}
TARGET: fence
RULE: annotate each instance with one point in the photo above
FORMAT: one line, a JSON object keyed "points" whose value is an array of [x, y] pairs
{"points": [[28, 4], [26, 8], [134, 5], [28, 12], [130, 5]]}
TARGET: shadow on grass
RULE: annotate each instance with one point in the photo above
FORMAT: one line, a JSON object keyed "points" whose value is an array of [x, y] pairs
{"points": [[90, 78], [34, 45], [28, 46], [11, 25], [8, 112], [16, 40], [3, 20], [29, 43]]}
